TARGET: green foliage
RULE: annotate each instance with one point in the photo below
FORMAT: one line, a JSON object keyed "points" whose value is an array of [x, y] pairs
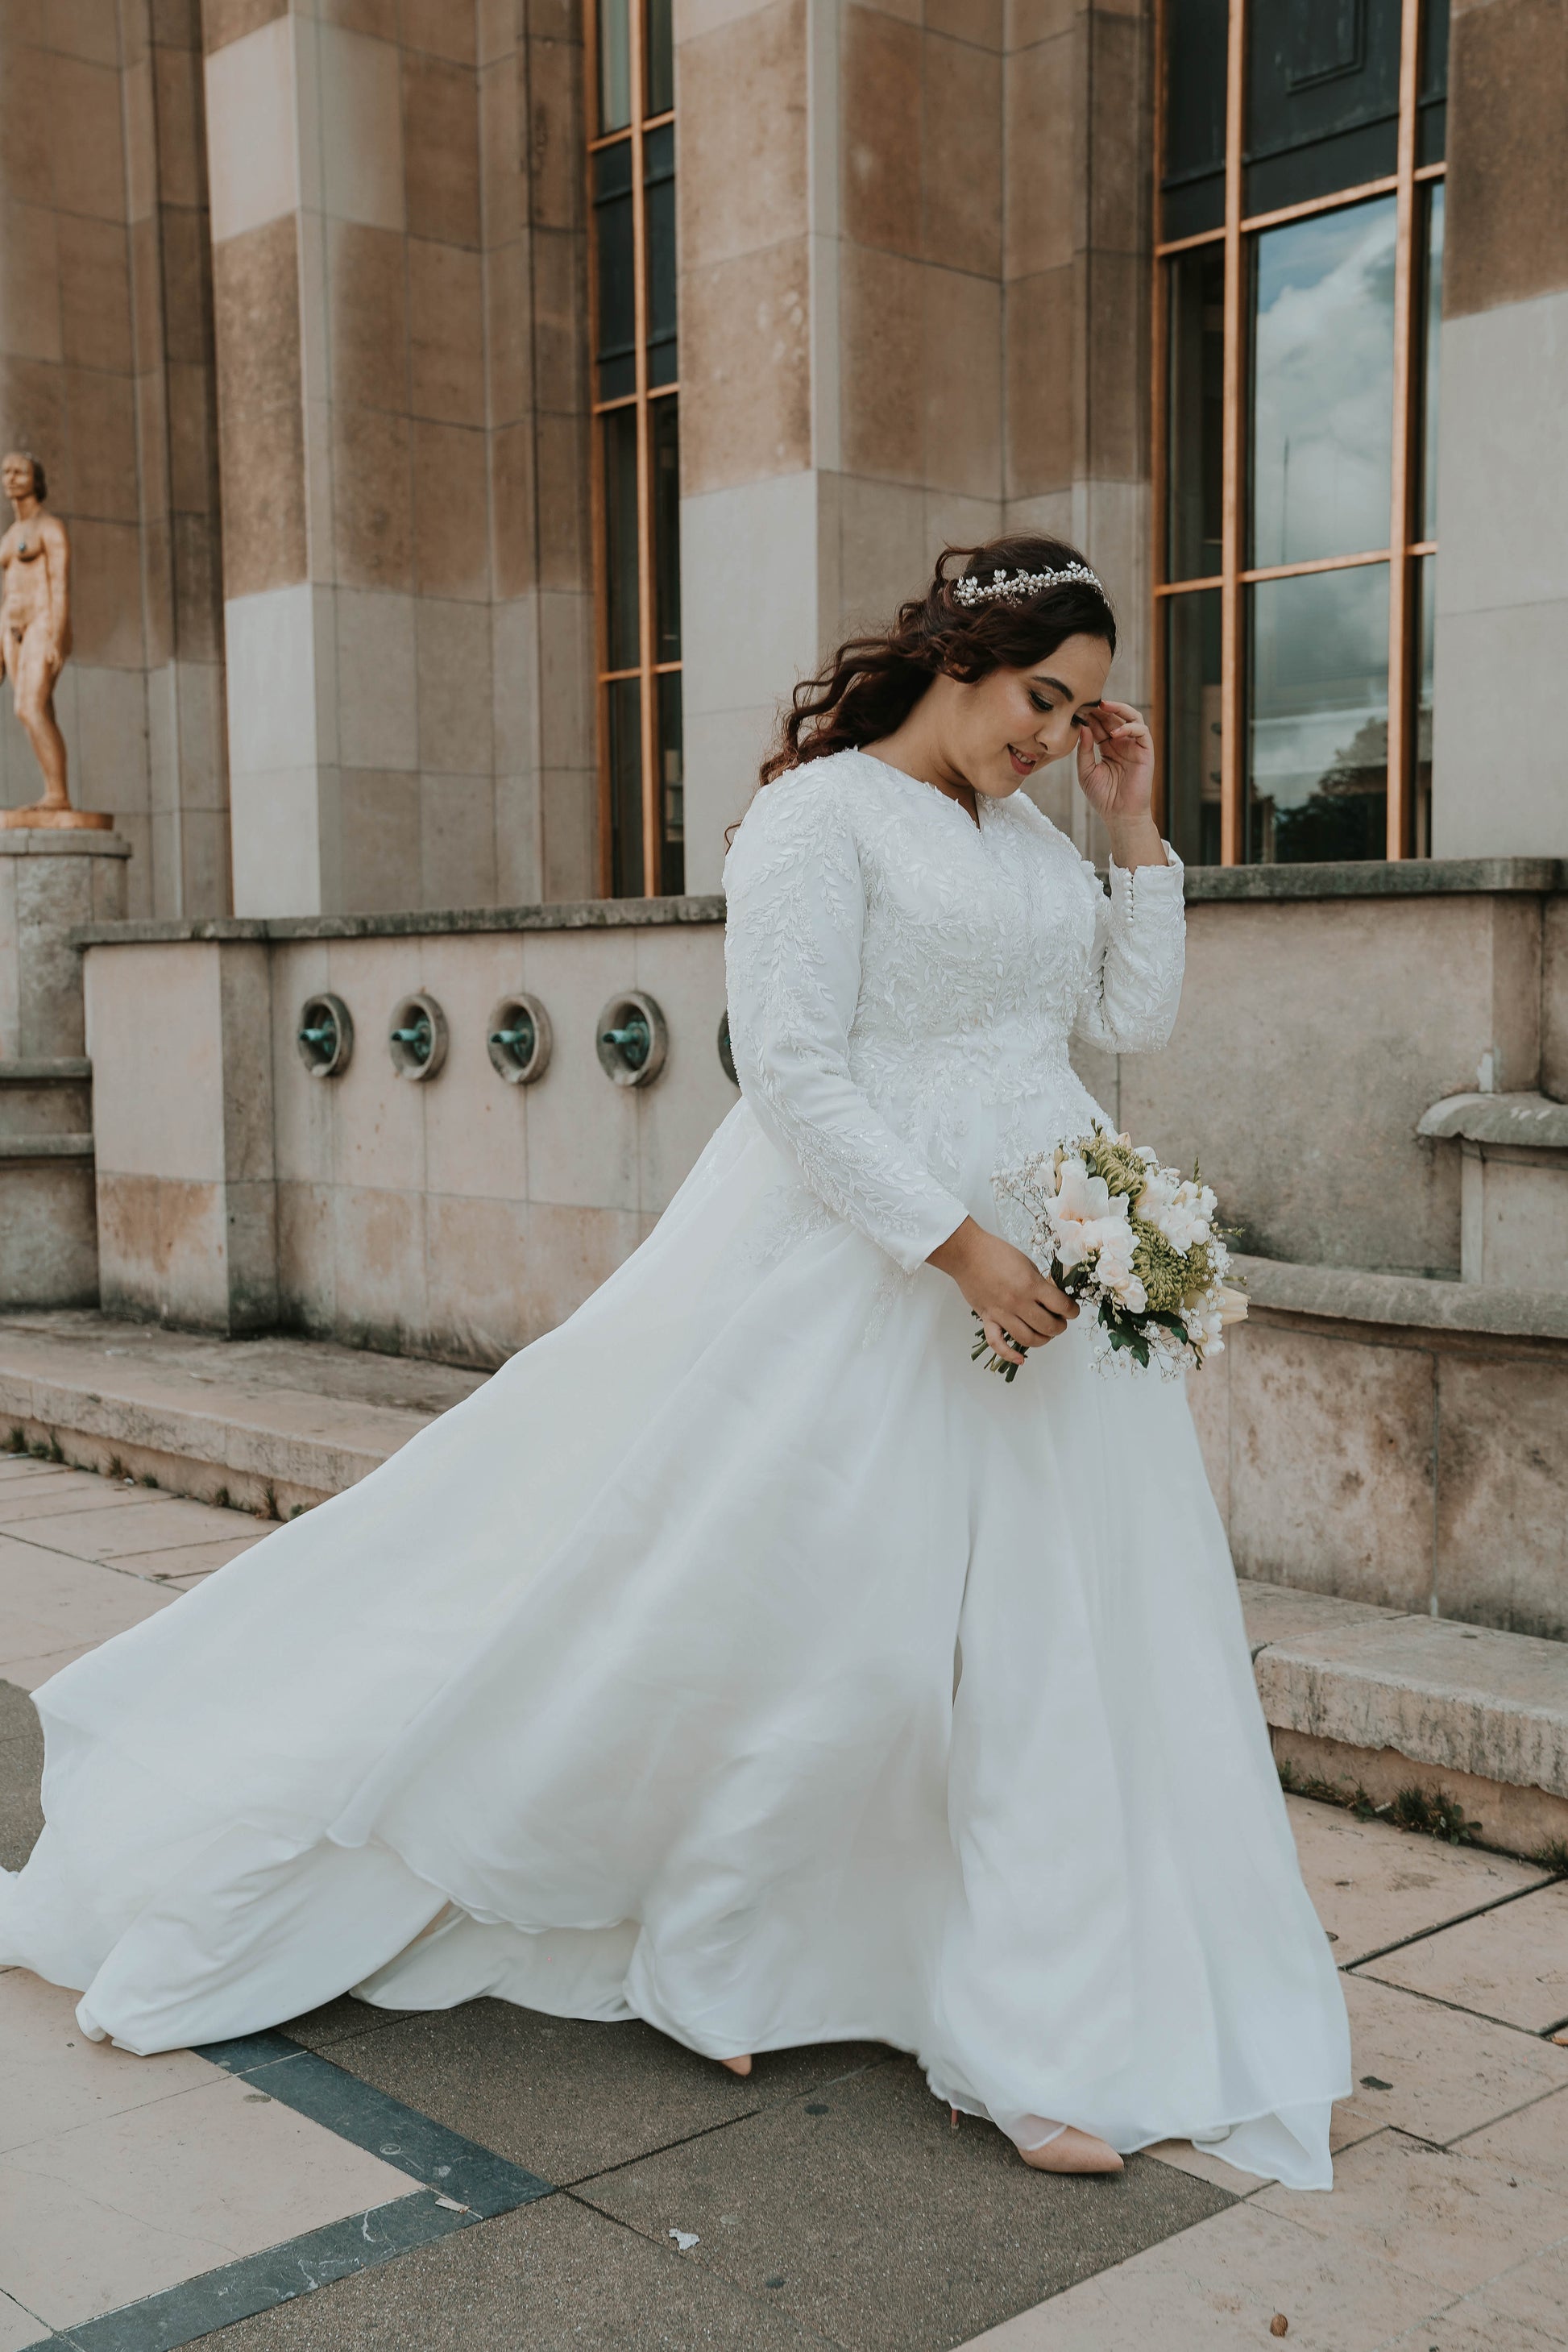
{"points": [[1426, 1812], [1554, 1856], [1349, 1794], [1432, 1812]]}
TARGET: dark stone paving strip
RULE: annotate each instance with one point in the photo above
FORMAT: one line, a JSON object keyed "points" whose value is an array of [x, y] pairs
{"points": [[258, 2283], [442, 2159]]}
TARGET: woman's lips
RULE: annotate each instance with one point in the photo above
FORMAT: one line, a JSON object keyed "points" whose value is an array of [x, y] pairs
{"points": [[1022, 763]]}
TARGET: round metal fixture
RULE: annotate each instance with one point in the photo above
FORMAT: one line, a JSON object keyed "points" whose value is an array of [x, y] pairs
{"points": [[325, 1036], [632, 1039], [418, 1037], [726, 1051], [518, 1035]]}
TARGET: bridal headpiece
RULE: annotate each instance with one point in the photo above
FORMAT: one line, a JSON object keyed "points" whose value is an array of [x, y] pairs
{"points": [[971, 589]]}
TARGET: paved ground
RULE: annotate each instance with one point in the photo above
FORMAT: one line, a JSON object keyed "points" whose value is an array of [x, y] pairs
{"points": [[488, 2179]]}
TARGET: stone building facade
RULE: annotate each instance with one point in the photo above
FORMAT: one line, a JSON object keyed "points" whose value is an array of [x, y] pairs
{"points": [[298, 305], [473, 415]]}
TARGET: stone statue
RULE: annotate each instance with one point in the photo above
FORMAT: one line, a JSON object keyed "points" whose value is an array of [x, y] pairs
{"points": [[35, 636]]}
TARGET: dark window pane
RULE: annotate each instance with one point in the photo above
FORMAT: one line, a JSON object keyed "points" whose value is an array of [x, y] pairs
{"points": [[1322, 97], [624, 714], [1322, 385], [659, 36], [1193, 189], [620, 432], [1433, 88], [614, 253], [1426, 609], [1317, 729], [1193, 725], [1196, 412], [672, 846], [614, 65], [1432, 304], [664, 459], [659, 217]]}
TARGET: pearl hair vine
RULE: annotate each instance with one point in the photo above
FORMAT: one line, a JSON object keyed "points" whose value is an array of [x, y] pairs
{"points": [[971, 589]]}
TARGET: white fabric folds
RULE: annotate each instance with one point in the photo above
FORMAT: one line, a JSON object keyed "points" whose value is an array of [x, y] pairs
{"points": [[741, 1657]]}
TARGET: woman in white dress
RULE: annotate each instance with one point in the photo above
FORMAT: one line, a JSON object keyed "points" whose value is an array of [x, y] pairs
{"points": [[741, 1657]]}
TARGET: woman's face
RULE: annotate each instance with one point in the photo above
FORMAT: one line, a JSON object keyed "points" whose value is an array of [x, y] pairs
{"points": [[1010, 725]]}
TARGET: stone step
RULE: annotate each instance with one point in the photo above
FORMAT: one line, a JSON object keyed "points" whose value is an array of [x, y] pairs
{"points": [[271, 1424], [1358, 1697]]}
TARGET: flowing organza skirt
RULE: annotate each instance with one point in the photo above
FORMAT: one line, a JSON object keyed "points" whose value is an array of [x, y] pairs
{"points": [[743, 1659]]}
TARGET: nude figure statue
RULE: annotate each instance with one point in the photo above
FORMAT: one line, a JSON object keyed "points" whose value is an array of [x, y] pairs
{"points": [[35, 635]]}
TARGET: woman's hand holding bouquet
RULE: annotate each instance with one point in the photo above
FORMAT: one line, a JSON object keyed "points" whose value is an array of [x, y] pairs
{"points": [[1137, 1241]]}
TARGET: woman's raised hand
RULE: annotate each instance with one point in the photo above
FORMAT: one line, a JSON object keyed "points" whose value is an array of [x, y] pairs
{"points": [[1019, 1306], [1115, 761]]}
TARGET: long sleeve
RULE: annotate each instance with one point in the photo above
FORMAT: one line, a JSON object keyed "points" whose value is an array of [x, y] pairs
{"points": [[792, 951], [1129, 1003]]}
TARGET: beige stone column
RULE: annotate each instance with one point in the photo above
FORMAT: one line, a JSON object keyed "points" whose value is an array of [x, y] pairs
{"points": [[405, 551], [1499, 776], [913, 311]]}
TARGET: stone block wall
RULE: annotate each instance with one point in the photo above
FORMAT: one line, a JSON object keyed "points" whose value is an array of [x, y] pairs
{"points": [[1403, 1462], [458, 1216], [913, 304], [398, 272]]}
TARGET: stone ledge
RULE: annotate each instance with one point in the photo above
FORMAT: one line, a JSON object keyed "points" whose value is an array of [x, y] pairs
{"points": [[1534, 1120], [60, 841], [429, 922], [45, 1146], [1408, 877], [1461, 1698], [61, 1069], [1352, 1295]]}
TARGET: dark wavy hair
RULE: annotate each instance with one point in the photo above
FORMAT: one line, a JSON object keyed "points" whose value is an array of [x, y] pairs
{"points": [[872, 684]]}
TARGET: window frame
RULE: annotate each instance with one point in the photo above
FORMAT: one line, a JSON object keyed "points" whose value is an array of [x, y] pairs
{"points": [[648, 669], [1403, 552]]}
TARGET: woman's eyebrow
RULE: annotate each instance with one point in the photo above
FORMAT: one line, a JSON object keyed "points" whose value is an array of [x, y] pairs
{"points": [[1044, 677]]}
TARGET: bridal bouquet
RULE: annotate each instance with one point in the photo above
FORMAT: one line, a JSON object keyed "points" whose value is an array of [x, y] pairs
{"points": [[1138, 1242]]}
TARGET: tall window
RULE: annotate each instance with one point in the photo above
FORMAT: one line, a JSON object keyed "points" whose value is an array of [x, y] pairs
{"points": [[637, 464], [1298, 271]]}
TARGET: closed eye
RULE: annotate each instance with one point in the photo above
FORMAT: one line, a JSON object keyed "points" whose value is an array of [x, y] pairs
{"points": [[1040, 702]]}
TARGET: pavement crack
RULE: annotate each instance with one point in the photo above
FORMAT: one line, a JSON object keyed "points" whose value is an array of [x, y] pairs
{"points": [[1422, 1935]]}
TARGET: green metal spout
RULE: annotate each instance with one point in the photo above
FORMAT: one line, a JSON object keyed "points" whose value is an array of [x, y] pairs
{"points": [[633, 1042]]}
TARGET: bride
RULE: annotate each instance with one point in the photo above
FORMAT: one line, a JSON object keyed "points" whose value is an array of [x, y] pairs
{"points": [[741, 1657]]}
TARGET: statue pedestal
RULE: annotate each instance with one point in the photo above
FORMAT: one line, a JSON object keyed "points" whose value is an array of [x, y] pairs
{"points": [[52, 878], [37, 818]]}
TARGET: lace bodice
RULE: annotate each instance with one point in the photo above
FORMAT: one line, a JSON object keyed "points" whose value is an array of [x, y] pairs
{"points": [[893, 969]]}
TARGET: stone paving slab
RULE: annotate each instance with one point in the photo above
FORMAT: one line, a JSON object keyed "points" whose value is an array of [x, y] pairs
{"points": [[144, 2173], [1434, 2072], [1510, 1964], [1535, 2140], [552, 2278], [886, 2229], [1220, 2285], [566, 2097], [1372, 1886]]}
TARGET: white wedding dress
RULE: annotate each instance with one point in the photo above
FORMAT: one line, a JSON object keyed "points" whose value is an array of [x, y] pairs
{"points": [[741, 1657]]}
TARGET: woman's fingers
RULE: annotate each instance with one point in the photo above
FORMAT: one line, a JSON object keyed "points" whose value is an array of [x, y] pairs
{"points": [[999, 1343]]}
